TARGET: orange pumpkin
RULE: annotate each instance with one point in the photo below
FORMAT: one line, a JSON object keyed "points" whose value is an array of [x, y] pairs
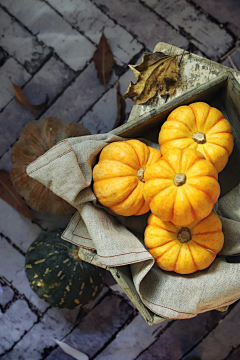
{"points": [[36, 138], [200, 127], [119, 176], [181, 187], [184, 249]]}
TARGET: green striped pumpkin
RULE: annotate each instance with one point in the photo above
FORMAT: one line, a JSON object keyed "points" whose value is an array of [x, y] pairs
{"points": [[58, 276]]}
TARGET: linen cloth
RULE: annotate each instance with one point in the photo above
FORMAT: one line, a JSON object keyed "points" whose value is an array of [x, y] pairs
{"points": [[66, 169]]}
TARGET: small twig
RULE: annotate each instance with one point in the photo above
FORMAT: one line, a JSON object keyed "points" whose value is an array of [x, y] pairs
{"points": [[232, 63]]}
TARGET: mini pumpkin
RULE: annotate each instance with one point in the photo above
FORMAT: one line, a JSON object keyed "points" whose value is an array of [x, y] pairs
{"points": [[200, 127], [118, 178], [36, 138], [181, 187], [184, 249], [58, 276]]}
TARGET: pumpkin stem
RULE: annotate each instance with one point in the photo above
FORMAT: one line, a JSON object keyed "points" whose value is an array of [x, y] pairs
{"points": [[140, 174], [199, 137], [179, 179], [184, 235], [75, 255]]}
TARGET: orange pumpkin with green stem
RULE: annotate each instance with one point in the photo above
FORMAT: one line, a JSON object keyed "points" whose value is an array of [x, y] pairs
{"points": [[118, 178], [199, 127], [184, 249], [181, 187]]}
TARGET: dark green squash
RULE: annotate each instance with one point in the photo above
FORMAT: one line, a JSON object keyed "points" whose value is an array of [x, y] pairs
{"points": [[58, 276]]}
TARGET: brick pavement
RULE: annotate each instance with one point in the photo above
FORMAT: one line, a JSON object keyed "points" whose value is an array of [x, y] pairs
{"points": [[47, 47]]}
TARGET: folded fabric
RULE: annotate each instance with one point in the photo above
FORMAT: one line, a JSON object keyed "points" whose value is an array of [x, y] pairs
{"points": [[66, 169]]}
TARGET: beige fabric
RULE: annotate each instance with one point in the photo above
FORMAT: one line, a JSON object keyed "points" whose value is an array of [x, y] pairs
{"points": [[66, 169]]}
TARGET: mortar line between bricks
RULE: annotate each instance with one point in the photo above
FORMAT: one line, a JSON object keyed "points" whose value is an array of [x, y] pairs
{"points": [[135, 37], [231, 351], [77, 74], [12, 244], [25, 333], [161, 332], [113, 337], [19, 295], [33, 35], [213, 19], [213, 328]]}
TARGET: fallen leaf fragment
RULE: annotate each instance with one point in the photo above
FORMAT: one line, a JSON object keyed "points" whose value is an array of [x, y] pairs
{"points": [[103, 59], [20, 98], [157, 72], [10, 196], [76, 354], [121, 104]]}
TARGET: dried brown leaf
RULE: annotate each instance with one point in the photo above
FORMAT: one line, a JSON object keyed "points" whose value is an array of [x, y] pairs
{"points": [[121, 104], [10, 196], [157, 72], [20, 98], [103, 59]]}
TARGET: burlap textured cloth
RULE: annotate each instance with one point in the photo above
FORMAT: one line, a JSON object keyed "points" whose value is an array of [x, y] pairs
{"points": [[66, 169]]}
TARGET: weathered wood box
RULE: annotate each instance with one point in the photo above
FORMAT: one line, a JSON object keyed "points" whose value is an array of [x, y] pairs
{"points": [[223, 92]]}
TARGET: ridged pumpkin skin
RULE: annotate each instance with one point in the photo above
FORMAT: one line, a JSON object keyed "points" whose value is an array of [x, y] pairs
{"points": [[181, 187], [57, 276], [35, 139], [199, 127], [184, 250], [118, 178]]}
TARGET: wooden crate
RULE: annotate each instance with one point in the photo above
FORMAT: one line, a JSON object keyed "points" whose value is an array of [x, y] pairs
{"points": [[223, 92]]}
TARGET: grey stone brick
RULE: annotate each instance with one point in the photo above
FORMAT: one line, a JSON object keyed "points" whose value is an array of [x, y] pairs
{"points": [[55, 324], [6, 294], [24, 231], [18, 75], [12, 267], [182, 336], [226, 12], [87, 18], [96, 328], [5, 161], [146, 26], [224, 338], [79, 96], [51, 28], [17, 319], [21, 44], [101, 118], [205, 35], [50, 80]]}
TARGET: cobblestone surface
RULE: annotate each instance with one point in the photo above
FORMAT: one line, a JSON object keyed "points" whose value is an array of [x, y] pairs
{"points": [[47, 48]]}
